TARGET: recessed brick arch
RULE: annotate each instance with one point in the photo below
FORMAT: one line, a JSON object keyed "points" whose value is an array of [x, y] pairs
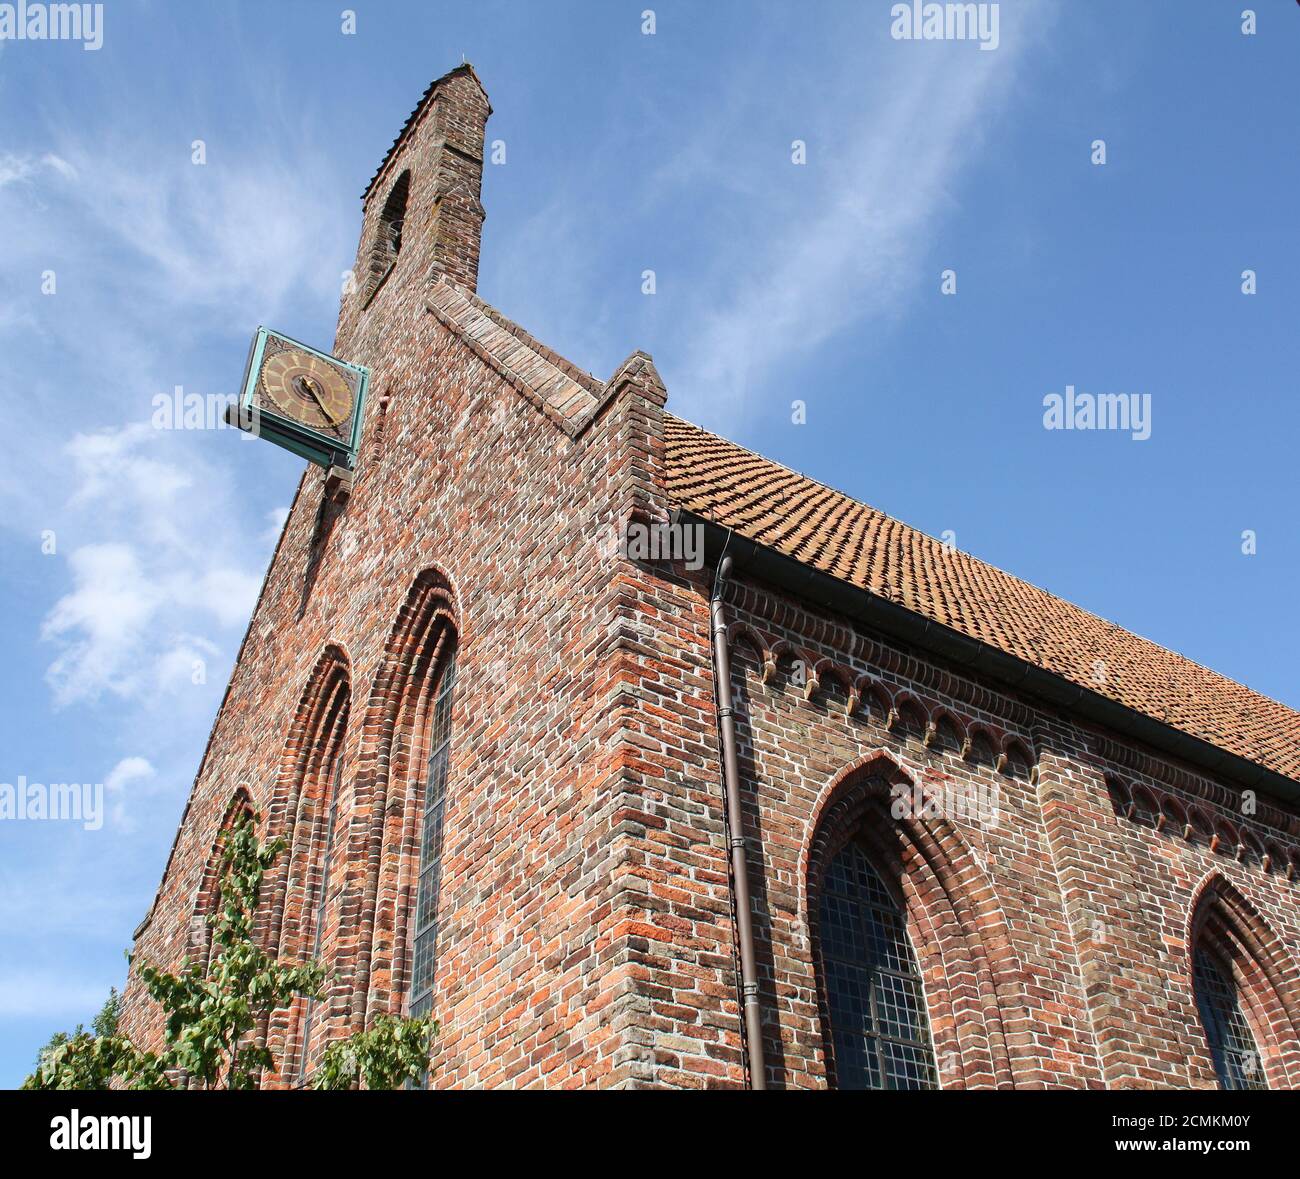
{"points": [[746, 643], [209, 894], [1223, 919], [981, 747], [387, 241], [957, 928], [298, 814], [310, 748], [389, 788], [946, 732], [832, 680]]}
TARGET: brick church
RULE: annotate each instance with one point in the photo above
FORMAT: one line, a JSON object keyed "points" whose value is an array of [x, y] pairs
{"points": [[800, 798]]}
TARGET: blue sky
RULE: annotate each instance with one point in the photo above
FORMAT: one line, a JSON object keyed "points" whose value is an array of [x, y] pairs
{"points": [[775, 282]]}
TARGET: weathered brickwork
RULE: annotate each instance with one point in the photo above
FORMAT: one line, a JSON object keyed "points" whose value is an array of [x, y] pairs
{"points": [[1055, 937], [586, 933]]}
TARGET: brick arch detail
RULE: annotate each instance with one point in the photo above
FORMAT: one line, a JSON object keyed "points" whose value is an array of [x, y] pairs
{"points": [[738, 633], [209, 893], [313, 742], [297, 814], [958, 930], [388, 792], [1221, 917]]}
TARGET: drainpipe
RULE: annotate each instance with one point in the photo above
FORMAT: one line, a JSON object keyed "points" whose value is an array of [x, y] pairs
{"points": [[736, 827]]}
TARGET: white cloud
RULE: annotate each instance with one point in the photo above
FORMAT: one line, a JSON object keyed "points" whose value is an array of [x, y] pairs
{"points": [[228, 594], [163, 270], [246, 230], [178, 667], [134, 621], [128, 770], [101, 623], [781, 258], [275, 519], [161, 567]]}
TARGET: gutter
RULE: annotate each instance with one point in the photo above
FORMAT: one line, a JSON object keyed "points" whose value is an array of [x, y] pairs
{"points": [[898, 622], [753, 1023]]}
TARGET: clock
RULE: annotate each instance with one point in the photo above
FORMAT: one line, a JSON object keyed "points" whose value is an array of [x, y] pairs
{"points": [[303, 399], [310, 390]]}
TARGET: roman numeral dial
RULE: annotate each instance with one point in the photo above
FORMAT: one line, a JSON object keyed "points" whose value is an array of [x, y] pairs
{"points": [[308, 390]]}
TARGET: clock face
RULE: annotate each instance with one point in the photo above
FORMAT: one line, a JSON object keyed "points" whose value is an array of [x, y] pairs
{"points": [[309, 390]]}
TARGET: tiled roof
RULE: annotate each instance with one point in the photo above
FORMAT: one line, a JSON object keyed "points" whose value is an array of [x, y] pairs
{"points": [[829, 531]]}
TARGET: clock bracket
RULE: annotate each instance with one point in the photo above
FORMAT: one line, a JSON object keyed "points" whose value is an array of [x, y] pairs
{"points": [[338, 485]]}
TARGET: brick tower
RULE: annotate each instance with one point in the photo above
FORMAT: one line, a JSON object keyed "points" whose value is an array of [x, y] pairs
{"points": [[489, 733]]}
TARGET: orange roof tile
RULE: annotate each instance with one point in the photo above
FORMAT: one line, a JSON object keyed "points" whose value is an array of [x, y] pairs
{"points": [[829, 531]]}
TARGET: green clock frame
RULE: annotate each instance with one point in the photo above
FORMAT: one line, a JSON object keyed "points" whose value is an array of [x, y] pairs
{"points": [[318, 448]]}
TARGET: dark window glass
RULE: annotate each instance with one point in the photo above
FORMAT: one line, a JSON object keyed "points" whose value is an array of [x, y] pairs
{"points": [[880, 1032], [423, 961], [1236, 1058]]}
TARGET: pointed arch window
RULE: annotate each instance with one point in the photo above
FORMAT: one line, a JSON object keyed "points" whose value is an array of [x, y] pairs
{"points": [[425, 931], [1236, 1056], [880, 1030]]}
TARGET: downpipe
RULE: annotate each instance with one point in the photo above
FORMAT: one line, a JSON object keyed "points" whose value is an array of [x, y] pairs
{"points": [[753, 1022]]}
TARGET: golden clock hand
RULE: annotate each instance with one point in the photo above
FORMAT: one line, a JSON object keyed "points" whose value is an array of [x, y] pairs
{"points": [[310, 386]]}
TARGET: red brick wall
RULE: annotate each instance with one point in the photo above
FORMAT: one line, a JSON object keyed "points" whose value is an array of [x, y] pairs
{"points": [[510, 520], [1054, 941]]}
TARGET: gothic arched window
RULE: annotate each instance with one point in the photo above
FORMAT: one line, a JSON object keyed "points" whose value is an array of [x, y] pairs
{"points": [[425, 930], [1232, 1046], [880, 1031]]}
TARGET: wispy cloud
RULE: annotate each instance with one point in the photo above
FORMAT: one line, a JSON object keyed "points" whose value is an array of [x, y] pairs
{"points": [[847, 246], [15, 168], [242, 237], [220, 233], [782, 257], [137, 537]]}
